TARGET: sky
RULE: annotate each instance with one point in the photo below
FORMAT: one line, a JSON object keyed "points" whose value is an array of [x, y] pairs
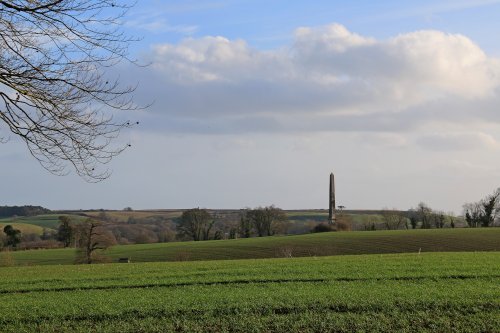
{"points": [[256, 102]]}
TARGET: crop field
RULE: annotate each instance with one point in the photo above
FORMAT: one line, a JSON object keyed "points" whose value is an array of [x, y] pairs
{"points": [[427, 292], [310, 245], [23, 227]]}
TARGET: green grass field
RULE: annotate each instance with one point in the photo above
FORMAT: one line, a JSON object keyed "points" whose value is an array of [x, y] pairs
{"points": [[427, 292], [310, 245], [50, 221], [122, 216]]}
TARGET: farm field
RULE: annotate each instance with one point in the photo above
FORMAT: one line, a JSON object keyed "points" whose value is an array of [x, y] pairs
{"points": [[122, 216], [310, 245], [427, 292], [50, 221], [23, 227]]}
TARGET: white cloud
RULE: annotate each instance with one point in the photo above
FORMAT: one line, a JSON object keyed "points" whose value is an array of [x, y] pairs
{"points": [[391, 140], [458, 141], [334, 38], [328, 80], [408, 69]]}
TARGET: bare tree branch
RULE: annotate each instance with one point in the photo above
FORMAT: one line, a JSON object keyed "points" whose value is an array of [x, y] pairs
{"points": [[54, 92]]}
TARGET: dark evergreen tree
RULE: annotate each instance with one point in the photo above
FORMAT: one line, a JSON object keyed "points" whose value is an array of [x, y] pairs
{"points": [[65, 232], [13, 235]]}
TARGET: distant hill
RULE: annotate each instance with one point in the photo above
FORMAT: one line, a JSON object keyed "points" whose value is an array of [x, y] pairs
{"points": [[10, 211]]}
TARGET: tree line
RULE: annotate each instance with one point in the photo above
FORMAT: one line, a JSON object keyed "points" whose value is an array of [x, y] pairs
{"points": [[88, 237], [9, 211], [484, 212], [198, 224], [93, 235]]}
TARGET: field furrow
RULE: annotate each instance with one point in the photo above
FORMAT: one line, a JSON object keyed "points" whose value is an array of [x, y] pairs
{"points": [[448, 292]]}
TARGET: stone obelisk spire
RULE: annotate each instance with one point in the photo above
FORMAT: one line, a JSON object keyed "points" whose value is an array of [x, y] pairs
{"points": [[331, 206]]}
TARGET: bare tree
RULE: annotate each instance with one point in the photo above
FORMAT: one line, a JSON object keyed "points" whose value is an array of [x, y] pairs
{"points": [[267, 220], [393, 219], [196, 224], [439, 219], [473, 213], [424, 214], [91, 238], [55, 93]]}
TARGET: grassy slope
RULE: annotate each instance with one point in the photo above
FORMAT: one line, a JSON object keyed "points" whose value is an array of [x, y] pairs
{"points": [[430, 292], [297, 246], [25, 228], [50, 221], [122, 216]]}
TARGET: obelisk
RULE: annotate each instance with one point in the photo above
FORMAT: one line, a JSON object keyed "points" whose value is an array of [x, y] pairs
{"points": [[331, 210]]}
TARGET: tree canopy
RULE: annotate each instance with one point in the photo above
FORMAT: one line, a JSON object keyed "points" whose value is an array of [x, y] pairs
{"points": [[196, 224], [266, 220], [483, 213], [91, 238], [13, 235]]}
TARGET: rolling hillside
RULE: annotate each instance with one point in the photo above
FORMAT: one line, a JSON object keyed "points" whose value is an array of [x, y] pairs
{"points": [[25, 228], [323, 244], [50, 221]]}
